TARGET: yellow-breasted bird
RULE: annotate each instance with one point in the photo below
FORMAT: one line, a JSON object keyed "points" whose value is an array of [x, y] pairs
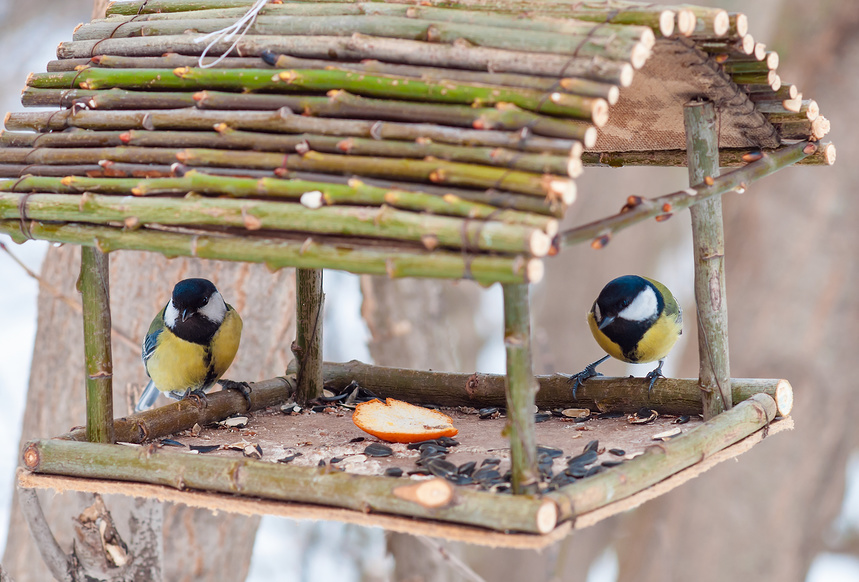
{"points": [[636, 320], [191, 343]]}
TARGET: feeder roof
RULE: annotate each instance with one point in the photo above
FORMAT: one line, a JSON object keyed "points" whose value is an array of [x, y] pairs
{"points": [[432, 140]]}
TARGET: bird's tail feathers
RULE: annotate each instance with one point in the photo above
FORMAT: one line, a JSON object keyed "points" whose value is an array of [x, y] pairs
{"points": [[148, 398]]}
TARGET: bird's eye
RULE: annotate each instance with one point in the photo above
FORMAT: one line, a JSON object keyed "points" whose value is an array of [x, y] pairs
{"points": [[205, 301], [624, 303]]}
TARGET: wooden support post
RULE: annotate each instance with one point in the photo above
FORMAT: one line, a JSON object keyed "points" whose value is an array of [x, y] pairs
{"points": [[702, 146], [95, 294], [308, 333], [520, 387]]}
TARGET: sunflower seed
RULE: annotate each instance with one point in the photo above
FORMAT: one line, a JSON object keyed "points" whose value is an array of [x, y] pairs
{"points": [[458, 479], [171, 443], [378, 450], [393, 472], [643, 416], [490, 412], [467, 468], [204, 448], [668, 434], [447, 441], [611, 462], [490, 462], [541, 417], [235, 422], [419, 444], [617, 452], [440, 467], [585, 458], [594, 445], [550, 452], [576, 412], [681, 419]]}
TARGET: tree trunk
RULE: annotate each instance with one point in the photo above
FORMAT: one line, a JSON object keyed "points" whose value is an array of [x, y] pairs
{"points": [[140, 285]]}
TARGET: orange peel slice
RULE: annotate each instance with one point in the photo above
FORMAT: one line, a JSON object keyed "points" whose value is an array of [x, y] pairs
{"points": [[400, 422]]}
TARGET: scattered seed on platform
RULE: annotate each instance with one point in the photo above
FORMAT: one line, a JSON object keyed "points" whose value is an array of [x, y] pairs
{"points": [[446, 441], [610, 414], [550, 452], [467, 468], [542, 417], [321, 463], [612, 462], [358, 440], [490, 462], [586, 458], [253, 450], [289, 458], [576, 412], [458, 479], [430, 449], [378, 450], [668, 434], [235, 422], [485, 413], [643, 416], [441, 467], [594, 445], [335, 460], [577, 471], [204, 448], [486, 475], [417, 445], [681, 419], [171, 443], [393, 472], [617, 452]]}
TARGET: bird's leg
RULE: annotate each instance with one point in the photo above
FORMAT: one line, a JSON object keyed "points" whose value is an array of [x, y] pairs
{"points": [[653, 375], [242, 388], [589, 372]]}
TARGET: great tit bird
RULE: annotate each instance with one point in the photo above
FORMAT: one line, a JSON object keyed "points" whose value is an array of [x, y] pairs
{"points": [[191, 343], [636, 320]]}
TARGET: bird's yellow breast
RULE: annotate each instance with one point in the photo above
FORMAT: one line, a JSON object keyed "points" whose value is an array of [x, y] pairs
{"points": [[659, 339], [654, 345], [179, 365]]}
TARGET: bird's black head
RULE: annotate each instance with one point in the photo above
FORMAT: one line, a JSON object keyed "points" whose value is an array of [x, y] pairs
{"points": [[195, 311], [626, 308]]}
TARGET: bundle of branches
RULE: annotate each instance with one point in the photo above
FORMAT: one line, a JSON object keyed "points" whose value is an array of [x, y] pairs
{"points": [[447, 134]]}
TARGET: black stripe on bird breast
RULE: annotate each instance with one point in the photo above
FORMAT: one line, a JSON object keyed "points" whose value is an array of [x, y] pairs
{"points": [[209, 361], [627, 334], [196, 329]]}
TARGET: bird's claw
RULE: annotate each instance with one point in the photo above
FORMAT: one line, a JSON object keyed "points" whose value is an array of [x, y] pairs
{"points": [[653, 375], [242, 388], [590, 371]]}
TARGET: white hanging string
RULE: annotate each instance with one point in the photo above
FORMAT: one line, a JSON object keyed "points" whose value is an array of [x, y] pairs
{"points": [[226, 34]]}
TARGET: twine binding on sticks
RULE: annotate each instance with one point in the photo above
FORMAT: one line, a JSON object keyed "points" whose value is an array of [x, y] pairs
{"points": [[240, 27]]}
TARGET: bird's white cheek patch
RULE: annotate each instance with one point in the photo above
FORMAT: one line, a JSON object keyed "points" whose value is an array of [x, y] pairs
{"points": [[215, 309], [171, 315], [642, 308], [597, 314]]}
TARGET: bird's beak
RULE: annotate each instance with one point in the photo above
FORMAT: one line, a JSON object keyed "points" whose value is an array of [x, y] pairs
{"points": [[186, 313], [606, 321]]}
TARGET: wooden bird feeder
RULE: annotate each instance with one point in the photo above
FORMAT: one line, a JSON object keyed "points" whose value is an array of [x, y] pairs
{"points": [[437, 140]]}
